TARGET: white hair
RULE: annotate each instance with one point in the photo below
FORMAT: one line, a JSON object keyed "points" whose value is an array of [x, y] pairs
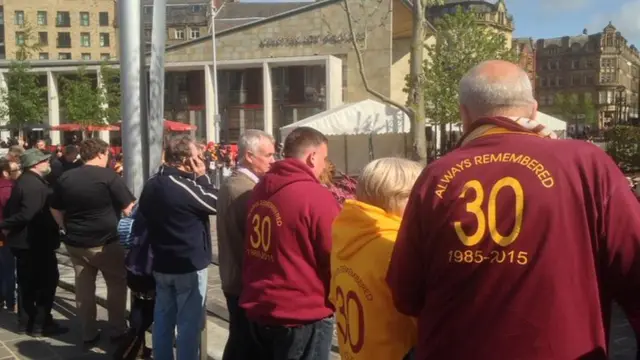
{"points": [[485, 94], [250, 141]]}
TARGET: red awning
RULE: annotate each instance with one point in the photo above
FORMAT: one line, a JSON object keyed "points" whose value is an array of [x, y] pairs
{"points": [[178, 126], [78, 127], [173, 126]]}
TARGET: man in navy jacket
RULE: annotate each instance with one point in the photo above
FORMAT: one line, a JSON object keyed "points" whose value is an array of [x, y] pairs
{"points": [[177, 203]]}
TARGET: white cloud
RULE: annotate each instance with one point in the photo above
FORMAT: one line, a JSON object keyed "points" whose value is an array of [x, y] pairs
{"points": [[625, 19]]}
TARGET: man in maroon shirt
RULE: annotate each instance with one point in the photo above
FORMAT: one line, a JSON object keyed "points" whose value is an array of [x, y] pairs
{"points": [[514, 245], [285, 272]]}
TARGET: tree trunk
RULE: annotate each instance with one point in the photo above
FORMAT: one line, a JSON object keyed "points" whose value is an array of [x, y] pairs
{"points": [[416, 94]]}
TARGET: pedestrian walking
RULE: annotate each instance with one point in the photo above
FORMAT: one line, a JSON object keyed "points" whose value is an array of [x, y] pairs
{"points": [[256, 155], [87, 203], [176, 204], [514, 245], [33, 237], [286, 272]]}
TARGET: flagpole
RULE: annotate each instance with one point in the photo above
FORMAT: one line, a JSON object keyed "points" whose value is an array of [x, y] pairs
{"points": [[129, 17], [156, 79], [216, 110]]}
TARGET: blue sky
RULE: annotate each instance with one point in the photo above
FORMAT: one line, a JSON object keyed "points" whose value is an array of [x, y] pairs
{"points": [[555, 18]]}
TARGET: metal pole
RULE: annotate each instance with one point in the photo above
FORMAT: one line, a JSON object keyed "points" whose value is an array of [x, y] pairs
{"points": [[157, 73], [129, 15], [216, 110]]}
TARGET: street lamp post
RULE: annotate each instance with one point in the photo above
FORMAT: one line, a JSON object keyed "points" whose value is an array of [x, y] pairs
{"points": [[216, 110]]}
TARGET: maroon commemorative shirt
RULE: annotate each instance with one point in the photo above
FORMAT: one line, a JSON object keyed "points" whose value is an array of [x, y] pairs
{"points": [[513, 247]]}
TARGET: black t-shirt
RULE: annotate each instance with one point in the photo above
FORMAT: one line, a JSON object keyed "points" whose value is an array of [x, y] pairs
{"points": [[92, 199]]}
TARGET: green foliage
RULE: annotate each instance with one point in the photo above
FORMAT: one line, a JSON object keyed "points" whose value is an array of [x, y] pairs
{"points": [[111, 93], [571, 108], [24, 99], [82, 101], [461, 43], [623, 144]]}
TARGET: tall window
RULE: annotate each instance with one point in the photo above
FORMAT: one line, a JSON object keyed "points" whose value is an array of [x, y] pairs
{"points": [[42, 18], [84, 19], [19, 17], [63, 19], [104, 39], [178, 34], [19, 38], [43, 38], [85, 39], [195, 33], [64, 40], [104, 18]]}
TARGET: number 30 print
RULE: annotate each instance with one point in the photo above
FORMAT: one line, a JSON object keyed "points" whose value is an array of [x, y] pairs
{"points": [[352, 327], [261, 232], [487, 219]]}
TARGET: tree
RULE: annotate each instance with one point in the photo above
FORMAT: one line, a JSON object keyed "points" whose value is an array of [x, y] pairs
{"points": [[24, 100], [461, 43], [415, 105], [572, 109], [623, 145], [110, 93], [82, 101]]}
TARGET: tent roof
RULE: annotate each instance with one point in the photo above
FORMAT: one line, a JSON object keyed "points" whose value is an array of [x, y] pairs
{"points": [[551, 122], [364, 117]]}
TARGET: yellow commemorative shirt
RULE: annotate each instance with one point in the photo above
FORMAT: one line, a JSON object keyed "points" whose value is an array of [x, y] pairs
{"points": [[368, 325]]}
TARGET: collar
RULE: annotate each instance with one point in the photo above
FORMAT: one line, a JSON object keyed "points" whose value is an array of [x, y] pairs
{"points": [[166, 170], [505, 125], [249, 173]]}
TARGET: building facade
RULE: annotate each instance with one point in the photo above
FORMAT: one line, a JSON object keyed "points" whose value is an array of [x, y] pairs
{"points": [[526, 49], [493, 15], [601, 67], [273, 70], [64, 30]]}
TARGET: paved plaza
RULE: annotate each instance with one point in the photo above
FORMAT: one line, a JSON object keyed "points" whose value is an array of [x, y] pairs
{"points": [[67, 346], [623, 344]]}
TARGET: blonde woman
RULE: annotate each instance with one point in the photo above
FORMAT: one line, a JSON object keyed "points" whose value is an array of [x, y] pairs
{"points": [[368, 325]]}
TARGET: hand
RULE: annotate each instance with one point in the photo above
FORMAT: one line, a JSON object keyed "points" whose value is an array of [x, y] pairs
{"points": [[197, 165]]}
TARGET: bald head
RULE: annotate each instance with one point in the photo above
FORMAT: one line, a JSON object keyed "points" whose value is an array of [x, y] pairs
{"points": [[496, 88]]}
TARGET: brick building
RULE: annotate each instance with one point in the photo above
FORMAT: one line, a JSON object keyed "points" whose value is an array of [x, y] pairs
{"points": [[527, 54], [65, 30], [602, 67]]}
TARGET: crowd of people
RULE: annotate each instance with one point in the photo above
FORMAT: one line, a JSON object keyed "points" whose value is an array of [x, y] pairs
{"points": [[512, 246]]}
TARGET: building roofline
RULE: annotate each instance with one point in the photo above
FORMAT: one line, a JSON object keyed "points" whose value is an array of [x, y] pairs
{"points": [[280, 16]]}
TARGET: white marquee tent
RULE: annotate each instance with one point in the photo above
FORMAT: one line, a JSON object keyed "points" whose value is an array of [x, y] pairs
{"points": [[369, 129], [359, 131]]}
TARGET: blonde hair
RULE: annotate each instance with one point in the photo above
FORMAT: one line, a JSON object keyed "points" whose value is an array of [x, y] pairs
{"points": [[326, 178], [387, 183]]}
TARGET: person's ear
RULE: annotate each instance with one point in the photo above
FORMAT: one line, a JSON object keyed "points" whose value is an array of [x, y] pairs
{"points": [[311, 159]]}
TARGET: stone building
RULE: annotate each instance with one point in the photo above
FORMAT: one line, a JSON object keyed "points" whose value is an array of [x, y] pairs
{"points": [[493, 15], [190, 19], [602, 67], [527, 56], [65, 30], [282, 66]]}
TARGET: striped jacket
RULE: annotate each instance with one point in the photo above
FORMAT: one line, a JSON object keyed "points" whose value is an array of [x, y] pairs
{"points": [[176, 206]]}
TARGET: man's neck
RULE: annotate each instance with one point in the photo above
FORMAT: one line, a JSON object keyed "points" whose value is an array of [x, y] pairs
{"points": [[33, 170], [94, 162]]}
